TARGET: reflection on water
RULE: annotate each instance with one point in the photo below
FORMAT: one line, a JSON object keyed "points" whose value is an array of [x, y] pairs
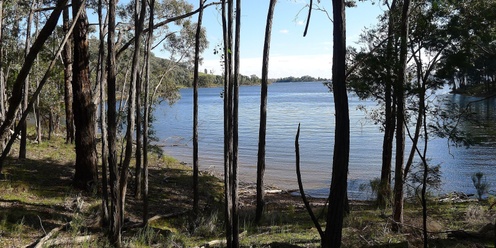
{"points": [[311, 105]]}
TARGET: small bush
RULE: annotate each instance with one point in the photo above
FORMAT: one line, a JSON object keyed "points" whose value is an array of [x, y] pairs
{"points": [[480, 183]]}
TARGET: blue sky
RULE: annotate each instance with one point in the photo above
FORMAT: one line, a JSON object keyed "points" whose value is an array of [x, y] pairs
{"points": [[291, 54]]}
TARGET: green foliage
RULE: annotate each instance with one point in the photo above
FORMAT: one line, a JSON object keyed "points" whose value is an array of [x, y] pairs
{"points": [[301, 79], [470, 58], [416, 178]]}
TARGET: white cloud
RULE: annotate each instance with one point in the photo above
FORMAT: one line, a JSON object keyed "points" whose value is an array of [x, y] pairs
{"points": [[300, 23], [281, 66], [284, 31]]}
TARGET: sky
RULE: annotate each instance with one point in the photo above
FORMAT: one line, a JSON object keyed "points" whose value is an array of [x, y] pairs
{"points": [[291, 54]]}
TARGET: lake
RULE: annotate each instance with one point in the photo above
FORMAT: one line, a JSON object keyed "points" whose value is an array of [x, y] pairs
{"points": [[311, 104]]}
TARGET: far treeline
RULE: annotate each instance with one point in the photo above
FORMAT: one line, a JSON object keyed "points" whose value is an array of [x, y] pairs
{"points": [[210, 80], [103, 81]]}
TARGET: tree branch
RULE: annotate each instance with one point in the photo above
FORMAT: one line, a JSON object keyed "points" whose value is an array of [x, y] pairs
{"points": [[300, 185], [162, 23]]}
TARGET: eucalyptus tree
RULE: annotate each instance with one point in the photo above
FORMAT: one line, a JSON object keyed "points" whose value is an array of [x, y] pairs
{"points": [[67, 60], [263, 114], [24, 130], [2, 80], [149, 42], [115, 218], [86, 175], [139, 20], [101, 79], [338, 195], [196, 191], [339, 181], [231, 95], [398, 189], [16, 95]]}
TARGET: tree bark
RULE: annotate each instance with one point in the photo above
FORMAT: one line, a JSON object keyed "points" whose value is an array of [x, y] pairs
{"points": [[139, 144], [2, 81], [400, 117], [16, 97], [146, 115], [139, 17], [338, 194], [86, 175], [115, 220], [384, 191], [103, 123], [235, 124], [300, 186], [36, 108], [24, 129], [227, 36], [263, 115], [67, 59], [196, 193]]}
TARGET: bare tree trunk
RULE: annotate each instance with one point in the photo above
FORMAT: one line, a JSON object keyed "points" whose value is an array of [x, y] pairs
{"points": [[227, 35], [263, 115], [400, 117], [115, 220], [196, 194], [139, 17], [86, 175], [16, 97], [235, 121], [139, 145], [384, 192], [37, 110], [67, 59], [338, 194], [24, 130], [2, 80], [146, 114], [103, 123]]}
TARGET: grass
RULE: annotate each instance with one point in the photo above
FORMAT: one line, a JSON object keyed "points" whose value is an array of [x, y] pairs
{"points": [[36, 196]]}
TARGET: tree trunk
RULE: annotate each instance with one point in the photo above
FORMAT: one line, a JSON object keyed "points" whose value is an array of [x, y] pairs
{"points": [[67, 59], [196, 193], [384, 191], [116, 224], [139, 17], [400, 117], [146, 115], [235, 124], [227, 36], [36, 107], [16, 97], [24, 129], [86, 175], [2, 81], [263, 115], [103, 123], [338, 194], [139, 145]]}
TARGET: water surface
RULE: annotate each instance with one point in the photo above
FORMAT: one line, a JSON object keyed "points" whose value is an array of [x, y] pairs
{"points": [[310, 104]]}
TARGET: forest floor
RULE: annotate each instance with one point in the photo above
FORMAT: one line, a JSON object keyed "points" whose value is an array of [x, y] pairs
{"points": [[39, 208]]}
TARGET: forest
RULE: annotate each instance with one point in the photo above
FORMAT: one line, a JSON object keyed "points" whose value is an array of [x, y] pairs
{"points": [[80, 166]]}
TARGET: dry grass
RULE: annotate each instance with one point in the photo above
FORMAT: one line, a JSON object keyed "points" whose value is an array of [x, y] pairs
{"points": [[36, 196]]}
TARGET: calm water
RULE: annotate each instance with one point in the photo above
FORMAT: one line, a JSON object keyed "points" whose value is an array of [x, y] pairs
{"points": [[310, 104]]}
